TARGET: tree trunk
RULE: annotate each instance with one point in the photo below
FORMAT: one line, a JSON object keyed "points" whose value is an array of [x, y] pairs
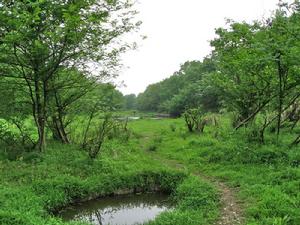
{"points": [[263, 129], [281, 74], [40, 123], [63, 132], [57, 124], [40, 115], [84, 142], [58, 130]]}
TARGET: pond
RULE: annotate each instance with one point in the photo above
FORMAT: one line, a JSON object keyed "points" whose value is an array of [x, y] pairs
{"points": [[119, 210]]}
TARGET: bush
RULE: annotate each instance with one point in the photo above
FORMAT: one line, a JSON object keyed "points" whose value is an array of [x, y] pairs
{"points": [[194, 119], [13, 144]]}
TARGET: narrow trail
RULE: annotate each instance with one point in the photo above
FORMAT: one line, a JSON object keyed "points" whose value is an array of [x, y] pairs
{"points": [[232, 210]]}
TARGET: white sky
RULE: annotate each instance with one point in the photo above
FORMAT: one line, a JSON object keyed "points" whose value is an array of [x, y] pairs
{"points": [[178, 31]]}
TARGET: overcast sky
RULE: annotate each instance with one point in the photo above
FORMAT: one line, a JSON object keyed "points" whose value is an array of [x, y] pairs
{"points": [[178, 31]]}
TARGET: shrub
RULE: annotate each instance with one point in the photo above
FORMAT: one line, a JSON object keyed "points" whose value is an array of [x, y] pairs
{"points": [[193, 119]]}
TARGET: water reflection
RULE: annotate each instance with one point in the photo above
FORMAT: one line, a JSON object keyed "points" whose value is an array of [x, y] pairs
{"points": [[121, 210]]}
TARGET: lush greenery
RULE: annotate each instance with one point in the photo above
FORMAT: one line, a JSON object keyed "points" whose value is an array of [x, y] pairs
{"points": [[53, 53], [66, 133], [37, 185], [252, 71], [266, 177]]}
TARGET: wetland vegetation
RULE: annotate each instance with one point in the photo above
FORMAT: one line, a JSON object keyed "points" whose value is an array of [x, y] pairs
{"points": [[220, 137]]}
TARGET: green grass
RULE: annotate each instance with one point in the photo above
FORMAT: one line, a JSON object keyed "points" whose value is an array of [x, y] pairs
{"points": [[268, 176], [197, 203], [36, 186]]}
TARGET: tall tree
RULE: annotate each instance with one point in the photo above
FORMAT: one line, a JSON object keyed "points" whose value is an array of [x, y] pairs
{"points": [[38, 37], [258, 65]]}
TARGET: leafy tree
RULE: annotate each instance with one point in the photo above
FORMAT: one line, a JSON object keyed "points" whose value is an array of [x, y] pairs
{"points": [[38, 38], [284, 49], [243, 81], [257, 66], [187, 98], [150, 99], [197, 94]]}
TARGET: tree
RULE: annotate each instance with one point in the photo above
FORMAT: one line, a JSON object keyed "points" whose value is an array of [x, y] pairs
{"points": [[130, 102], [187, 98], [194, 95], [38, 38], [257, 65], [243, 81], [150, 100], [284, 49]]}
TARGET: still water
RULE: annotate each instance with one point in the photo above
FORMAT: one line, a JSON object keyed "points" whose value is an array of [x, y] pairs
{"points": [[119, 210]]}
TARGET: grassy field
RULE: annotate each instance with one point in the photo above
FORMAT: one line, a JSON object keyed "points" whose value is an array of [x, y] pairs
{"points": [[37, 185], [265, 178]]}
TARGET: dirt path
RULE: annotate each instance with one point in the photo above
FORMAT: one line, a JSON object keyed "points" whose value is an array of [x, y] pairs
{"points": [[231, 211]]}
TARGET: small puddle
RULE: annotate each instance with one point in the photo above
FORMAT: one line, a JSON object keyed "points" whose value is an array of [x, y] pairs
{"points": [[119, 210]]}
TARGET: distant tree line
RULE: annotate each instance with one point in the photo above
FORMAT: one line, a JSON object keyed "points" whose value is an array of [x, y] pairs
{"points": [[187, 88]]}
